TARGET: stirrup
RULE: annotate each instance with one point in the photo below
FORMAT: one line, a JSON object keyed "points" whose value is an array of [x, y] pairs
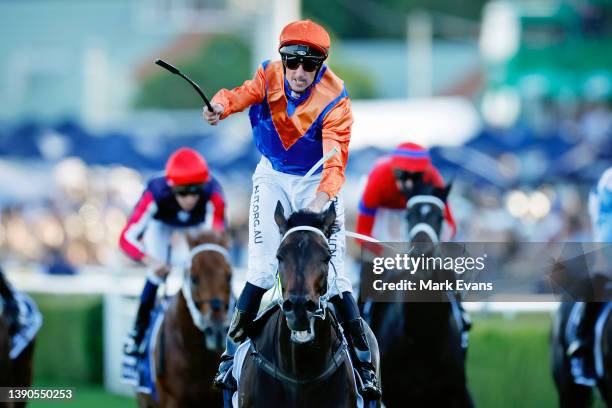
{"points": [[579, 372], [369, 383]]}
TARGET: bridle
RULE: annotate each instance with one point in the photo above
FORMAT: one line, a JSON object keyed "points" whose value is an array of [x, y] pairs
{"points": [[200, 321], [422, 226], [323, 299], [338, 357]]}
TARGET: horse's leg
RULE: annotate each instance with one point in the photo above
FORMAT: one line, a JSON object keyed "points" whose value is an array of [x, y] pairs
{"points": [[23, 367], [5, 362], [145, 401], [169, 401]]}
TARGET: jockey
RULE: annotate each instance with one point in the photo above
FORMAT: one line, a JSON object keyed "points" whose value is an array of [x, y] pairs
{"points": [[579, 350], [388, 188], [176, 201], [299, 111], [10, 309]]}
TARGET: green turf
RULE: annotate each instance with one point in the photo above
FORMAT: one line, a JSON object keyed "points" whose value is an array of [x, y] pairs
{"points": [[69, 346], [508, 362]]}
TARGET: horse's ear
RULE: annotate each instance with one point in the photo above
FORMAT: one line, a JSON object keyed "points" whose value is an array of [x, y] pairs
{"points": [[442, 193], [446, 191], [191, 239], [279, 217], [328, 217]]}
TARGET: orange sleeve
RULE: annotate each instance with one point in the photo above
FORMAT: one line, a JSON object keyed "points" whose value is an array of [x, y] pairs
{"points": [[238, 99], [336, 133]]}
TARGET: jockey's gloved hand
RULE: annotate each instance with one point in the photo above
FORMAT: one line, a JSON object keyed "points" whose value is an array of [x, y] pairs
{"points": [[159, 268], [213, 117]]}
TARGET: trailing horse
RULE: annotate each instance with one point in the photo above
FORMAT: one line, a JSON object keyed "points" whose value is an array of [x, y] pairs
{"points": [[421, 354], [16, 370], [572, 394], [191, 337], [297, 356]]}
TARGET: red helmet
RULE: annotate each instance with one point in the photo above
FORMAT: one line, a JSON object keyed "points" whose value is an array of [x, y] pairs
{"points": [[410, 157], [186, 166], [305, 32]]}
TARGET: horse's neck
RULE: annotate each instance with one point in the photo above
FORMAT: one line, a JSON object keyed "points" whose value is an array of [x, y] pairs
{"points": [[301, 360], [421, 318], [179, 317]]}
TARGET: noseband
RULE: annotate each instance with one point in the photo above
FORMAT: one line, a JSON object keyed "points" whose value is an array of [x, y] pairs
{"points": [[201, 322]]}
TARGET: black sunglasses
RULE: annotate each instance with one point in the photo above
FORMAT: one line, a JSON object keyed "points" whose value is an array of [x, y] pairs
{"points": [[192, 189], [308, 64]]}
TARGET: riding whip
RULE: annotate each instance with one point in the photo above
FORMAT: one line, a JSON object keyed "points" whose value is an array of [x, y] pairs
{"points": [[195, 86]]}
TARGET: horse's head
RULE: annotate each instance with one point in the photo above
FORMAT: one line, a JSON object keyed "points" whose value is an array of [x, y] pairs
{"points": [[206, 286], [425, 214], [303, 262]]}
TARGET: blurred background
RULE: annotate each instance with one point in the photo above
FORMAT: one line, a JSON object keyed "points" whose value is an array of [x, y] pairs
{"points": [[512, 97]]}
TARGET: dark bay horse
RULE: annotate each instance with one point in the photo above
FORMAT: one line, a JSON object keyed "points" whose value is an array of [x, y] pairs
{"points": [[421, 355], [572, 394], [16, 372], [297, 358], [192, 335]]}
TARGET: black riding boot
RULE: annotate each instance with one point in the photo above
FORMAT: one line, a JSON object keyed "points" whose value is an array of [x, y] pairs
{"points": [[244, 314], [11, 309], [466, 320], [348, 315], [580, 350], [133, 345]]}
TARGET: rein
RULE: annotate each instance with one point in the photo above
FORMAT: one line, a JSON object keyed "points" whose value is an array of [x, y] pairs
{"points": [[198, 320]]}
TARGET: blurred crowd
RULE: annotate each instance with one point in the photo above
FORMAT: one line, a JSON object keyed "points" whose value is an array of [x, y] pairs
{"points": [[79, 223]]}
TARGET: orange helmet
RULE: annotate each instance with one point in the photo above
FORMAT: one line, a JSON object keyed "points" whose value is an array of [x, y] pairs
{"points": [[186, 166], [305, 32]]}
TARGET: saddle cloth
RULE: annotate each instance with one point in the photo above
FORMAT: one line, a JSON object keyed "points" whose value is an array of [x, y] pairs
{"points": [[30, 322]]}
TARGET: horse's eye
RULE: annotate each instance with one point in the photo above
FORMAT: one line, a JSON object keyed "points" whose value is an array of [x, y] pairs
{"points": [[279, 258], [195, 280]]}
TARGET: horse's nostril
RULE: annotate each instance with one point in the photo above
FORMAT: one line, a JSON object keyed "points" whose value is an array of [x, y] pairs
{"points": [[287, 306], [311, 305]]}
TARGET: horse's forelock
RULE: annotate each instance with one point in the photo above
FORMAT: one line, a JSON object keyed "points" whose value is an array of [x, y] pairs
{"points": [[305, 218]]}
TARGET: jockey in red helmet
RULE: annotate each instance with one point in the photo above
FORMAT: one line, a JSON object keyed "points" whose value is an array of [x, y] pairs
{"points": [[176, 201], [299, 111], [383, 203]]}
